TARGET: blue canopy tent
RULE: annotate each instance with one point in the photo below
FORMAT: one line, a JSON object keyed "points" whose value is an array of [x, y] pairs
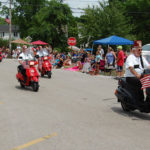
{"points": [[89, 49], [113, 40]]}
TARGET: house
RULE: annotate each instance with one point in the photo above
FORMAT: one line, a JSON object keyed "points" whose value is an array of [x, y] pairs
{"points": [[4, 32]]}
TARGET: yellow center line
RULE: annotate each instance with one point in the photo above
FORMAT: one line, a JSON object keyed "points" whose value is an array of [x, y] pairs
{"points": [[35, 141]]}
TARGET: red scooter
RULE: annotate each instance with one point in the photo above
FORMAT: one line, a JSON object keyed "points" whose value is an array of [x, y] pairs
{"points": [[45, 66], [32, 76]]}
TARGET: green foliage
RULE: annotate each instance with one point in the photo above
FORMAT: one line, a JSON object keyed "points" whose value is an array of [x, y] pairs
{"points": [[2, 21], [139, 14], [103, 21], [5, 10], [23, 12], [3, 43], [51, 22]]}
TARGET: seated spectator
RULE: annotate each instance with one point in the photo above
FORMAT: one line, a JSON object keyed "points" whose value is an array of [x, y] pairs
{"points": [[60, 63], [67, 62], [56, 61], [79, 64], [87, 66]]}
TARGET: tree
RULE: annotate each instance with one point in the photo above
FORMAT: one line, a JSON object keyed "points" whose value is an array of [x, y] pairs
{"points": [[139, 14], [2, 21], [53, 24], [103, 21], [23, 12]]}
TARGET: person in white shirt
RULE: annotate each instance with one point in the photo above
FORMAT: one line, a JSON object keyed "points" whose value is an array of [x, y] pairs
{"points": [[135, 65], [101, 51], [42, 52], [23, 57]]}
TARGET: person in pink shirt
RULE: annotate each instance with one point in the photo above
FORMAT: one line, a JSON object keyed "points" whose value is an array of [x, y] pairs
{"points": [[120, 61]]}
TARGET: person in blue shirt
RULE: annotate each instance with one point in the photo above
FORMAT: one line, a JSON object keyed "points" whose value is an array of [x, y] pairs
{"points": [[110, 59]]}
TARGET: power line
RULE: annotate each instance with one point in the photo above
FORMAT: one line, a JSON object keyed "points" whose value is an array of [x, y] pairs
{"points": [[82, 1]]}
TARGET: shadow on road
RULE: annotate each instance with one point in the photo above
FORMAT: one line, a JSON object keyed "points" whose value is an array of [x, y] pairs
{"points": [[44, 77], [134, 115], [24, 89]]}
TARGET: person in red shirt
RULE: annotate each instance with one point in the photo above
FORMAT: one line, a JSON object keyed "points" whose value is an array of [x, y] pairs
{"points": [[120, 61]]}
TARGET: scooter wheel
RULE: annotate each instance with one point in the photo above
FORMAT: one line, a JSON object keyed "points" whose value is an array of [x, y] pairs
{"points": [[35, 86], [49, 74], [125, 107], [22, 85], [42, 75]]}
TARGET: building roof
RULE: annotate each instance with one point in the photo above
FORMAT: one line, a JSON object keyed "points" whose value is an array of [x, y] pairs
{"points": [[5, 28]]}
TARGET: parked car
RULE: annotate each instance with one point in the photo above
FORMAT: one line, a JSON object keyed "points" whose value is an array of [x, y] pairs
{"points": [[146, 52]]}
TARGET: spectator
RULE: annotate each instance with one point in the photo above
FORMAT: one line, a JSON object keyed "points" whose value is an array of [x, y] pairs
{"points": [[86, 66], [67, 62], [97, 61], [120, 61], [101, 51], [110, 59]]}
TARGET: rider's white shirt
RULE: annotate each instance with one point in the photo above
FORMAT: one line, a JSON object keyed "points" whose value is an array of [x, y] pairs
{"points": [[45, 52], [131, 61], [25, 56], [42, 53]]}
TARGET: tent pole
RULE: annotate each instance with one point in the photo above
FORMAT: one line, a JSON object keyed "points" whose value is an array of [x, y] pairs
{"points": [[92, 48]]}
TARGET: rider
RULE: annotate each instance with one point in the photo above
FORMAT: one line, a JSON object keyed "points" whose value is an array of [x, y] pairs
{"points": [[135, 65], [23, 57], [42, 52]]}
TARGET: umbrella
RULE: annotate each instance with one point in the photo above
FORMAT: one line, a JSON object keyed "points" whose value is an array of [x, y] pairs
{"points": [[39, 43], [20, 41], [114, 40], [74, 48]]}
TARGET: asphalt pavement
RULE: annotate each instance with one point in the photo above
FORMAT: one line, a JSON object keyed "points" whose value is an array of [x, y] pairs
{"points": [[71, 111]]}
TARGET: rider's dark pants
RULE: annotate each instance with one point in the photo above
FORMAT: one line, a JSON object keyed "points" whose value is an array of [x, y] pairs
{"points": [[23, 71], [136, 88]]}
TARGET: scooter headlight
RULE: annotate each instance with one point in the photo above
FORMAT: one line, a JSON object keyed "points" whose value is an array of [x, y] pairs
{"points": [[45, 58], [31, 63], [32, 71]]}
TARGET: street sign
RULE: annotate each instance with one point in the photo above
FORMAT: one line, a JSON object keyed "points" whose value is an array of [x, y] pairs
{"points": [[72, 41]]}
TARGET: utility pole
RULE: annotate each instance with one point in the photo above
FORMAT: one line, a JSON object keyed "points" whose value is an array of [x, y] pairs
{"points": [[10, 1]]}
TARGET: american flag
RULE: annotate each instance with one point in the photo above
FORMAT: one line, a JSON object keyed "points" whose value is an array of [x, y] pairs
{"points": [[7, 20], [145, 82]]}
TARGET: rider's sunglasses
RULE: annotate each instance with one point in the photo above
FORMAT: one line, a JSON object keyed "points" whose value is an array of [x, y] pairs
{"points": [[139, 50]]}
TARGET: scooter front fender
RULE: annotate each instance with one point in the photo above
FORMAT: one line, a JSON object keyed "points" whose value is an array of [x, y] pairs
{"points": [[34, 79], [124, 95], [19, 76]]}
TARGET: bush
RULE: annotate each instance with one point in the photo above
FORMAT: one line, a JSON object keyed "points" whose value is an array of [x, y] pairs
{"points": [[4, 43]]}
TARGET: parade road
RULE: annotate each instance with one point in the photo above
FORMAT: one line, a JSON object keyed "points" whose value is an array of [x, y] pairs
{"points": [[71, 111]]}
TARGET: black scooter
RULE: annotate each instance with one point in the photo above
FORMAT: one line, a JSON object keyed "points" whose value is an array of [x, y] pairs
{"points": [[125, 95]]}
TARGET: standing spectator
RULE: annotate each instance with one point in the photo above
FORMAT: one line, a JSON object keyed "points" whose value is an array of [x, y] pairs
{"points": [[120, 61], [97, 61], [110, 59], [101, 51], [125, 55], [83, 56]]}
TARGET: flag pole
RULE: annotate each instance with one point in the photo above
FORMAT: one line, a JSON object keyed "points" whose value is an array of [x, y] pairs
{"points": [[10, 16]]}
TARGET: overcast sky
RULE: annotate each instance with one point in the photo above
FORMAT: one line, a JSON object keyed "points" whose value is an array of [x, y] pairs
{"points": [[76, 5]]}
